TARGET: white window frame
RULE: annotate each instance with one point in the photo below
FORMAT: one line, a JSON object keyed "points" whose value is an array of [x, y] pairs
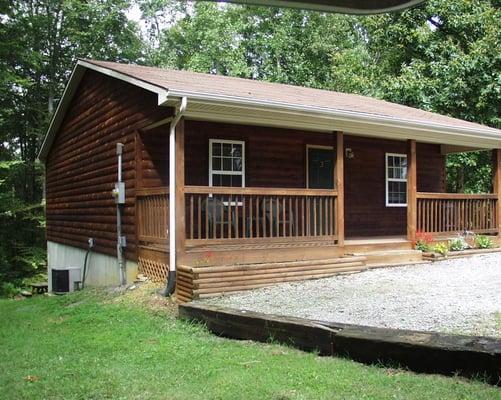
{"points": [[218, 172], [315, 146], [387, 179]]}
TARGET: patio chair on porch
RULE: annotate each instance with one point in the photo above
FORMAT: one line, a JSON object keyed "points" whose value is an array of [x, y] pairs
{"points": [[273, 209], [218, 213]]}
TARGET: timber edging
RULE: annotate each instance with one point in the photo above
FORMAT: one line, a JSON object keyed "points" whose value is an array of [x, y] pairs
{"points": [[420, 351]]}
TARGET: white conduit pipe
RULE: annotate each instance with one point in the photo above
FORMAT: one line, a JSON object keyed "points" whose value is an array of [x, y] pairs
{"points": [[171, 277]]}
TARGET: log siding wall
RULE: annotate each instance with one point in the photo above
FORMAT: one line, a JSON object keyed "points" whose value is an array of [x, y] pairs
{"points": [[81, 168], [277, 158]]}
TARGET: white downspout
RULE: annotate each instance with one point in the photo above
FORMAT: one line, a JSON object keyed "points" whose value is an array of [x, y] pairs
{"points": [[171, 278]]}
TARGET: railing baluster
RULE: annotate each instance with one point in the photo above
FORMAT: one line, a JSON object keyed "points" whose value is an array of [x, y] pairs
{"points": [[283, 217], [296, 217], [199, 217], [251, 220], [320, 219], [442, 213]]}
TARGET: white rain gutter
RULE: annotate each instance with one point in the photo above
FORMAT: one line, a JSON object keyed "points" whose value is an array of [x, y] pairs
{"points": [[171, 277]]}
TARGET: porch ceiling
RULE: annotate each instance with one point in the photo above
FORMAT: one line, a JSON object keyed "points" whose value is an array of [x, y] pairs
{"points": [[318, 120]]}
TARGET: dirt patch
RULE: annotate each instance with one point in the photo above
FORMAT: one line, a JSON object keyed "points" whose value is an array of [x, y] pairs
{"points": [[145, 294]]}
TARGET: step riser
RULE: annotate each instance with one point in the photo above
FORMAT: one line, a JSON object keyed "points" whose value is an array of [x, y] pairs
{"points": [[197, 282], [276, 274], [396, 259]]}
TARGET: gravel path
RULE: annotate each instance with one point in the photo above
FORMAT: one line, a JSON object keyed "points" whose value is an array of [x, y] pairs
{"points": [[461, 296]]}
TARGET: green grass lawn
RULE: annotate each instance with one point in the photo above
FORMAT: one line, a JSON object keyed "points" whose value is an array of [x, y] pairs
{"points": [[92, 345]]}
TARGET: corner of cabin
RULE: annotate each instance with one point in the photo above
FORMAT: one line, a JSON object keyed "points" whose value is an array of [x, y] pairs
{"points": [[81, 169]]}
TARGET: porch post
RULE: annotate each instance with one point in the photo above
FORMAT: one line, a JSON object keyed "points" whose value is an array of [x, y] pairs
{"points": [[340, 186], [180, 196], [411, 190], [497, 185]]}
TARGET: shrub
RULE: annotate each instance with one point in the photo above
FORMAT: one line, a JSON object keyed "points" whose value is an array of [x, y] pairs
{"points": [[458, 244], [8, 289], [483, 242], [441, 248], [423, 241]]}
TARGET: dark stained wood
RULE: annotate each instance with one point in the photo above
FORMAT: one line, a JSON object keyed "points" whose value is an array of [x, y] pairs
{"points": [[366, 213], [275, 158], [81, 166], [420, 351], [81, 171]]}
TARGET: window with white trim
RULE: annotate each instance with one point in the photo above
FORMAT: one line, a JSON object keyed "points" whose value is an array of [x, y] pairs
{"points": [[226, 163], [396, 180]]}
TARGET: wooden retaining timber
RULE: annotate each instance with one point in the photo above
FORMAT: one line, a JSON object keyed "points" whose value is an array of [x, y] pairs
{"points": [[429, 352], [201, 282]]}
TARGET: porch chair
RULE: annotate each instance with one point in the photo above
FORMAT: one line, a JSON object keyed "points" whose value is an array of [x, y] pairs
{"points": [[273, 210], [217, 214]]}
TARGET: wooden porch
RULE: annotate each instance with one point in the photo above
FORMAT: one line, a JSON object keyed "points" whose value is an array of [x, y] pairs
{"points": [[235, 238]]}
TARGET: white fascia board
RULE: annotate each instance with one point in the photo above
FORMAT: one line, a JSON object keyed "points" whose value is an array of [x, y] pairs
{"points": [[70, 90], [490, 136]]}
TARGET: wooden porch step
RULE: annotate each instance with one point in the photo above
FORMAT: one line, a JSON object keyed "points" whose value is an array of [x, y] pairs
{"points": [[391, 257], [200, 282]]}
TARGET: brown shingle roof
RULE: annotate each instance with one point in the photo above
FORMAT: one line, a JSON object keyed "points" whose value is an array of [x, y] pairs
{"points": [[248, 89]]}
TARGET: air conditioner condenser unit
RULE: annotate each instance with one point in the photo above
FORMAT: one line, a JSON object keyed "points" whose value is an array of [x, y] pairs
{"points": [[65, 280]]}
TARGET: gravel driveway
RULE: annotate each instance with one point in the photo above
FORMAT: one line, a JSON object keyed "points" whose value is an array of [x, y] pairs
{"points": [[461, 296]]}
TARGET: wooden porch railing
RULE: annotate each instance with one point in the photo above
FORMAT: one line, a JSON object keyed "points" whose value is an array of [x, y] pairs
{"points": [[442, 213], [152, 215], [224, 214]]}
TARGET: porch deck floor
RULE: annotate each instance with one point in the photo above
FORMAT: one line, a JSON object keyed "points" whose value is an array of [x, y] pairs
{"points": [[259, 246], [354, 241]]}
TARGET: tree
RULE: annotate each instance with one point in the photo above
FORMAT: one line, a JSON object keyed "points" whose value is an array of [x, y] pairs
{"points": [[40, 42], [279, 45], [444, 56]]}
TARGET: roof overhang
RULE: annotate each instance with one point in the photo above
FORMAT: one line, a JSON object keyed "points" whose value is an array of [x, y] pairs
{"points": [[239, 110], [338, 6], [317, 119]]}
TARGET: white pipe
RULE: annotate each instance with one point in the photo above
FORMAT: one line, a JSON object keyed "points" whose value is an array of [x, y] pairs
{"points": [[169, 289]]}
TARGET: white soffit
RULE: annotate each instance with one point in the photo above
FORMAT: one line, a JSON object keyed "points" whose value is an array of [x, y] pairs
{"points": [[328, 122]]}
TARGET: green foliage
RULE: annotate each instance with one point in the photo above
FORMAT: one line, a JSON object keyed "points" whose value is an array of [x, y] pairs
{"points": [[441, 248], [443, 56], [39, 44], [22, 247], [8, 289], [458, 244], [483, 242], [278, 45], [469, 172]]}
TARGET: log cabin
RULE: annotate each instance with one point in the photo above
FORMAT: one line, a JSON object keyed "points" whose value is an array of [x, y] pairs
{"points": [[232, 184]]}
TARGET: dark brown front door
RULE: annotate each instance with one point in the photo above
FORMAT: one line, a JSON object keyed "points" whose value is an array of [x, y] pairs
{"points": [[320, 168]]}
